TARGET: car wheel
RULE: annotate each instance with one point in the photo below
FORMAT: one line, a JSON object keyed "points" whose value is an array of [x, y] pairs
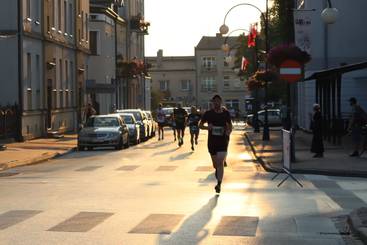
{"points": [[120, 145], [90, 148], [80, 148]]}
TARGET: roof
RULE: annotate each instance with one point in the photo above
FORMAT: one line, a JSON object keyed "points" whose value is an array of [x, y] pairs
{"points": [[215, 42], [337, 71]]}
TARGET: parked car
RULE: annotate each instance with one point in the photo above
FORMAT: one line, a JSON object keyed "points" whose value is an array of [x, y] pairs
{"points": [[154, 124], [168, 112], [141, 119], [103, 131], [274, 118], [188, 109], [149, 123], [133, 126]]}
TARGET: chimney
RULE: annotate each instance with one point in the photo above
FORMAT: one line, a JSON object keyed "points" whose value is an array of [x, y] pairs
{"points": [[159, 57]]}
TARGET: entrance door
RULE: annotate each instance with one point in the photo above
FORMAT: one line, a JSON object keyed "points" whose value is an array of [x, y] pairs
{"points": [[49, 103]]}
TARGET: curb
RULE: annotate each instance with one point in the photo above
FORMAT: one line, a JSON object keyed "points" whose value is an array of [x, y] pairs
{"points": [[45, 157], [356, 224], [269, 168]]}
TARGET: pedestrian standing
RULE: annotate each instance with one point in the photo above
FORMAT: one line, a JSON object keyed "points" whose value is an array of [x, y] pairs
{"points": [[317, 146], [193, 121], [219, 127], [356, 123], [89, 111], [161, 118]]}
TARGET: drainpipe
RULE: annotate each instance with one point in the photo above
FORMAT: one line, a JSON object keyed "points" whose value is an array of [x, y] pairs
{"points": [[20, 70]]}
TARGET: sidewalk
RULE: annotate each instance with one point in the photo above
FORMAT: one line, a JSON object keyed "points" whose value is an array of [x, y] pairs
{"points": [[35, 151], [336, 159]]}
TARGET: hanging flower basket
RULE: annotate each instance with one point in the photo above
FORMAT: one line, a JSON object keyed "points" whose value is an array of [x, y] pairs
{"points": [[130, 69], [253, 84], [281, 53]]}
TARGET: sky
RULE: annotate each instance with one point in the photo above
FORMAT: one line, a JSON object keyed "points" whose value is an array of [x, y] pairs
{"points": [[178, 25]]}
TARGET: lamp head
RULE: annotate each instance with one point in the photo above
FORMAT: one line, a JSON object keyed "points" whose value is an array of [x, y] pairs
{"points": [[330, 15], [223, 29]]}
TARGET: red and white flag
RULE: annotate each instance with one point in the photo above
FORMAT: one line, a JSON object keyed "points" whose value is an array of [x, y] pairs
{"points": [[251, 38], [244, 63]]}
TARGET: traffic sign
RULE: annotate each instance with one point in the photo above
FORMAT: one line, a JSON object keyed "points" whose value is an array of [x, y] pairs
{"points": [[290, 71]]}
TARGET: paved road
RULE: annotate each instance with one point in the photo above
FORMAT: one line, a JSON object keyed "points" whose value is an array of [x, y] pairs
{"points": [[157, 193]]}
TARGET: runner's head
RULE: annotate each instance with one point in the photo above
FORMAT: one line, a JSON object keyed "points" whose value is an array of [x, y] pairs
{"points": [[193, 109], [217, 101], [178, 105]]}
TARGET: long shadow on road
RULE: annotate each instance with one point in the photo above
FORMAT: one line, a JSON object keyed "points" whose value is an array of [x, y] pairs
{"points": [[192, 230]]}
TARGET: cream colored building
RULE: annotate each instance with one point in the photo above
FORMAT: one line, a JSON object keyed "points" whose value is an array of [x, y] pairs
{"points": [[216, 76], [174, 78]]}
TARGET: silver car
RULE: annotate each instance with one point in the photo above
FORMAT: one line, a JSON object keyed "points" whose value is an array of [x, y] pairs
{"points": [[140, 117], [133, 126], [274, 118], [103, 131]]}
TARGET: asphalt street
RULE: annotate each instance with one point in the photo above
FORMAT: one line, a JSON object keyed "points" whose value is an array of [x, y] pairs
{"points": [[158, 193]]}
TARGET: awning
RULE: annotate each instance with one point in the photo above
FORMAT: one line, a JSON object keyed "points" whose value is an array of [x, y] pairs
{"points": [[337, 71]]}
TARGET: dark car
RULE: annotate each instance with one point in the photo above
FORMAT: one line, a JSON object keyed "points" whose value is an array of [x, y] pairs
{"points": [[141, 118], [274, 118], [104, 131]]}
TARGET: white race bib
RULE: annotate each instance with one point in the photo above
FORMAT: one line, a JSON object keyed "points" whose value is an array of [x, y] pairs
{"points": [[217, 131]]}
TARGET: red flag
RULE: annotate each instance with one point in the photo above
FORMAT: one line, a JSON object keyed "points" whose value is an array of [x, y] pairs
{"points": [[244, 64], [251, 38]]}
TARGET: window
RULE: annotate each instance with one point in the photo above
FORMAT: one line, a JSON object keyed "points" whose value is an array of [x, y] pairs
{"points": [[29, 81], [86, 26], [61, 84], [94, 42], [67, 83], [208, 62], [28, 9], [71, 88], [208, 84], [38, 84], [59, 14], [48, 24], [226, 83], [163, 85], [65, 17], [233, 104], [83, 23], [185, 85], [71, 19]]}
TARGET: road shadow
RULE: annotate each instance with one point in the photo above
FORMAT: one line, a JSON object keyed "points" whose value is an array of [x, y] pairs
{"points": [[192, 229], [181, 156], [209, 179], [164, 152]]}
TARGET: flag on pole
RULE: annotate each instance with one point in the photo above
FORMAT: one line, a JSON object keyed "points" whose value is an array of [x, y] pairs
{"points": [[251, 38], [244, 63]]}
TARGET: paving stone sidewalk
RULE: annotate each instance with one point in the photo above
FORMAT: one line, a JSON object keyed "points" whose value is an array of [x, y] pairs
{"points": [[336, 159], [34, 151]]}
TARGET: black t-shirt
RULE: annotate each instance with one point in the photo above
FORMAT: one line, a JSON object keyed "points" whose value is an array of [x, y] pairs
{"points": [[219, 122], [194, 119], [180, 114]]}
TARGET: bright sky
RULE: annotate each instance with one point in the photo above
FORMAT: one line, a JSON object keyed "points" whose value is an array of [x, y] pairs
{"points": [[178, 25]]}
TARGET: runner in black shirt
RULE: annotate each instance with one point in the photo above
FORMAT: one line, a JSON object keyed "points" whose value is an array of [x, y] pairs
{"points": [[193, 121], [180, 116], [219, 127]]}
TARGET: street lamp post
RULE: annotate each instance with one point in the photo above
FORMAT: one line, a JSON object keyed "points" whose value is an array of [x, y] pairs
{"points": [[224, 30]]}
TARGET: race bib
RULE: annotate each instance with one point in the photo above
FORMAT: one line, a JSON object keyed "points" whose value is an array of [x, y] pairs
{"points": [[217, 131]]}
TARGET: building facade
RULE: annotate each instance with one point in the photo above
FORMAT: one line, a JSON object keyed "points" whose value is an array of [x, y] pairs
{"points": [[333, 46], [51, 40], [215, 76], [173, 79]]}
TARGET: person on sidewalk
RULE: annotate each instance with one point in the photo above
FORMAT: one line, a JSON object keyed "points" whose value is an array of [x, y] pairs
{"points": [[89, 111], [161, 118], [356, 123], [317, 146], [219, 127]]}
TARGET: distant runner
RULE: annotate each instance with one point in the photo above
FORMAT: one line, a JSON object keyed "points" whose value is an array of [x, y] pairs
{"points": [[161, 119], [220, 128], [180, 116], [193, 121]]}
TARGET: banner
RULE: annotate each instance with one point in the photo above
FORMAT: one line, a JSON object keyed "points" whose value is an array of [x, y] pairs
{"points": [[302, 30]]}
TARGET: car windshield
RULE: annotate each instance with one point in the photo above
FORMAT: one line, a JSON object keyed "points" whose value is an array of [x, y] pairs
{"points": [[102, 122], [128, 120], [136, 114], [167, 110]]}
